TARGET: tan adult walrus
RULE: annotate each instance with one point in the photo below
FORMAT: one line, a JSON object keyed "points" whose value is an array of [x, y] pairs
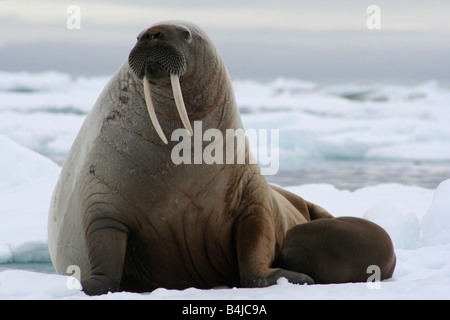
{"points": [[130, 218]]}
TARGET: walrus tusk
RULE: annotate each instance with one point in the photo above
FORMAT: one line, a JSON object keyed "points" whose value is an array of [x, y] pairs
{"points": [[151, 110], [178, 96]]}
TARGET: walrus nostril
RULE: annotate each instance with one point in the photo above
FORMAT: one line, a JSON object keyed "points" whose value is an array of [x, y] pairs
{"points": [[145, 37], [157, 35], [150, 36]]}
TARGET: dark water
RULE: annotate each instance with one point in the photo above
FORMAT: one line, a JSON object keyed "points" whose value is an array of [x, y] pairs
{"points": [[351, 175], [44, 267]]}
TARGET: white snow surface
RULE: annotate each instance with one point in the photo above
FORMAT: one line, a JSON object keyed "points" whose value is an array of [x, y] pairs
{"points": [[42, 113]]}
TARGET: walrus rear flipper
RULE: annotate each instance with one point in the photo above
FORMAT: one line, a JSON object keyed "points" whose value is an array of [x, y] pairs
{"points": [[251, 280], [309, 210]]}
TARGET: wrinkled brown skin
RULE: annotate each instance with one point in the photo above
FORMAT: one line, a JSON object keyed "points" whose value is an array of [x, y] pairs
{"points": [[338, 250], [132, 220]]}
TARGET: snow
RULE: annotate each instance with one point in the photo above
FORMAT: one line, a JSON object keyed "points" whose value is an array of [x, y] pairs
{"points": [[436, 222], [41, 114], [27, 180], [349, 121]]}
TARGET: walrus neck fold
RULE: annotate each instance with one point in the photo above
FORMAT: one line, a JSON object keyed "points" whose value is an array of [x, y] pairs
{"points": [[178, 97]]}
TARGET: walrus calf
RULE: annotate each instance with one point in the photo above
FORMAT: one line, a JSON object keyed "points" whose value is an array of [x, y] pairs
{"points": [[338, 250]]}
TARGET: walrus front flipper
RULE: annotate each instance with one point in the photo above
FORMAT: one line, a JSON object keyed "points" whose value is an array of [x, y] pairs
{"points": [[255, 239], [251, 280], [106, 242]]}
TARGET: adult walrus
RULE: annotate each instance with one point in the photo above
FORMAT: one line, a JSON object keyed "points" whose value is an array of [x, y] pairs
{"points": [[130, 218]]}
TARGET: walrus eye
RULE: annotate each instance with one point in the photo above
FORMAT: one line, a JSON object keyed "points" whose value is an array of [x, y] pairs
{"points": [[156, 35], [186, 34]]}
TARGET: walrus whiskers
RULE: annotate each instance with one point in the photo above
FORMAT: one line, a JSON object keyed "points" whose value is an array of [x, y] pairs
{"points": [[151, 110]]}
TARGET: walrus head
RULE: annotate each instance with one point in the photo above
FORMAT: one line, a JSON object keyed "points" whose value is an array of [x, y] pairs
{"points": [[159, 55]]}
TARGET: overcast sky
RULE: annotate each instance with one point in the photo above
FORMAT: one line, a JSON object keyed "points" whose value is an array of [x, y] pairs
{"points": [[316, 40]]}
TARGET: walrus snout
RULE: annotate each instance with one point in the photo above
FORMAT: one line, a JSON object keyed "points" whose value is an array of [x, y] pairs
{"points": [[156, 59], [157, 56]]}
